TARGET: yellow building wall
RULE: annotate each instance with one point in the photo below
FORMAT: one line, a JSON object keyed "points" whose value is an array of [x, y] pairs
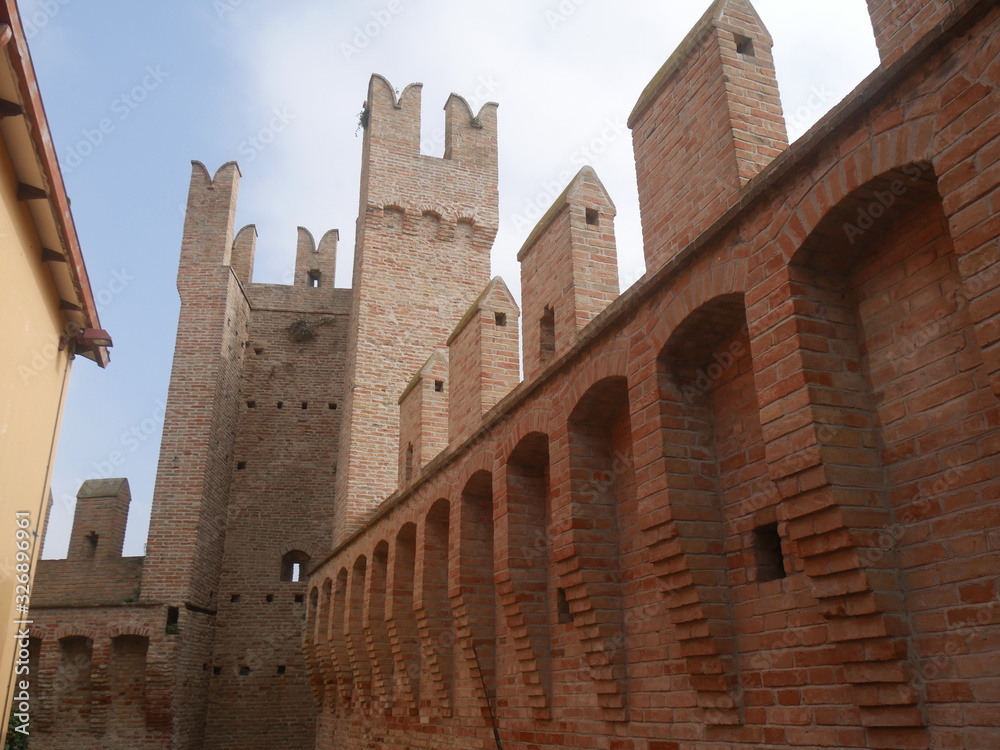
{"points": [[33, 376]]}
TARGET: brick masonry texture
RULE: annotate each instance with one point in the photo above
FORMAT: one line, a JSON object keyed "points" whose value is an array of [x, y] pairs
{"points": [[752, 502]]}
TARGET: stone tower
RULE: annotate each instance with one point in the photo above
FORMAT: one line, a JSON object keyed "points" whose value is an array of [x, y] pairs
{"points": [[422, 256]]}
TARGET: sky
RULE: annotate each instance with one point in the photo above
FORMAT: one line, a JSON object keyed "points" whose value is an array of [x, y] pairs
{"points": [[135, 91]]}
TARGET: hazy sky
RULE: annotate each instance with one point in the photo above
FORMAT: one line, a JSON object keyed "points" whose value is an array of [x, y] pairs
{"points": [[278, 86]]}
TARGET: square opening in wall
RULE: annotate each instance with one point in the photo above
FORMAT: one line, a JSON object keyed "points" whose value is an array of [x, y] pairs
{"points": [[269, 598], [244, 671], [767, 551], [300, 598], [258, 350], [332, 406], [439, 385], [216, 671], [241, 465], [501, 319], [173, 621], [744, 45], [251, 404], [281, 669], [234, 598], [593, 217], [314, 277], [562, 607], [281, 404], [305, 404]]}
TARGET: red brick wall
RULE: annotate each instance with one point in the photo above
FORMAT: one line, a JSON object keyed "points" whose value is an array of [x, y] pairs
{"points": [[706, 124], [801, 422], [569, 270], [431, 221], [484, 362], [899, 24]]}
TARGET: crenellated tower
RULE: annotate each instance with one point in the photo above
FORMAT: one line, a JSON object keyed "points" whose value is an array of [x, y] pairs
{"points": [[422, 256]]}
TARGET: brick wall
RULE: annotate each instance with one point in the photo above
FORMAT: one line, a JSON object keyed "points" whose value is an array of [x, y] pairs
{"points": [[756, 505], [432, 222], [706, 124], [569, 270]]}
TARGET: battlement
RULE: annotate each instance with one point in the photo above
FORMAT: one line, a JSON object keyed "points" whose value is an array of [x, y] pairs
{"points": [[423, 416], [707, 123], [94, 571], [483, 358], [569, 270], [395, 172]]}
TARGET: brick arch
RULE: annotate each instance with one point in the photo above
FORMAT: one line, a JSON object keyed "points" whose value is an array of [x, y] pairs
{"points": [[825, 445], [536, 419], [610, 363], [297, 545], [481, 458], [722, 277], [686, 537], [128, 628], [74, 631], [357, 652]]}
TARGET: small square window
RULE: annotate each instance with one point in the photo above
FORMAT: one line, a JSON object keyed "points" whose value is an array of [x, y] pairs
{"points": [[234, 598], [439, 386], [281, 669], [241, 465], [269, 598], [251, 404], [744, 45], [501, 319], [216, 671], [244, 671], [593, 217], [300, 598]]}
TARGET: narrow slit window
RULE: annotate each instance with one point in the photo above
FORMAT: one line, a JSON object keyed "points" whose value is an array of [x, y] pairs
{"points": [[314, 278], [562, 607], [408, 470], [173, 620], [547, 335], [767, 550]]}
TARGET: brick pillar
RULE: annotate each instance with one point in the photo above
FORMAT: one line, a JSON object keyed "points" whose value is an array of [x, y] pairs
{"points": [[708, 122], [569, 270]]}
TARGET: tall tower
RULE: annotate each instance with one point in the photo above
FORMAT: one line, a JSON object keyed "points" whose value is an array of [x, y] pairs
{"points": [[425, 228]]}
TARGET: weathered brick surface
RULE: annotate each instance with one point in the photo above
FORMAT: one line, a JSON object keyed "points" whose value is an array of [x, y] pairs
{"points": [[754, 504], [569, 270], [422, 256], [706, 124], [751, 503]]}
